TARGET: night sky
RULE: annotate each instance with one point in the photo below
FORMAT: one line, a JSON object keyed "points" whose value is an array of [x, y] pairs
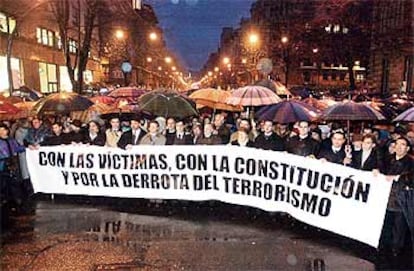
{"points": [[192, 27]]}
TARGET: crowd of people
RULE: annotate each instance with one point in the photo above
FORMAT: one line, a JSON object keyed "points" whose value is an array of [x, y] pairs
{"points": [[381, 149]]}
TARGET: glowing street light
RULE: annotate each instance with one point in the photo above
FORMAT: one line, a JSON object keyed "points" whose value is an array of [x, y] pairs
{"points": [[168, 60], [149, 59], [173, 68], [253, 38], [226, 60], [315, 50], [244, 60], [216, 69], [210, 73], [284, 39], [119, 34], [153, 36], [159, 68]]}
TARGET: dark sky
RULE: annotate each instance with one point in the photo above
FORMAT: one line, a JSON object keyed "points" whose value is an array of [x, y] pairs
{"points": [[192, 27]]}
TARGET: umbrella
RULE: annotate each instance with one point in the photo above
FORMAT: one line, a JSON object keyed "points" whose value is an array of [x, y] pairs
{"points": [[288, 112], [350, 110], [91, 113], [167, 104], [318, 104], [62, 103], [102, 99], [276, 86], [407, 115], [25, 109], [253, 96], [7, 110], [27, 93], [214, 98], [127, 92]]}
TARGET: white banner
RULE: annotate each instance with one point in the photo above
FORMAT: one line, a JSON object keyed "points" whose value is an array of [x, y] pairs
{"points": [[329, 196]]}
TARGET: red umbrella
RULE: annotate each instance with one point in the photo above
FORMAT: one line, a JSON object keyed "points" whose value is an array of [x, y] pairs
{"points": [[253, 96], [127, 92], [102, 100], [7, 110]]}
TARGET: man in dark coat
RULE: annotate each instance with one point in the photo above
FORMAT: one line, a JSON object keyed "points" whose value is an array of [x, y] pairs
{"points": [[57, 137], [400, 169], [170, 131], [181, 137], [303, 144], [336, 152], [221, 130], [367, 158], [269, 140], [133, 136]]}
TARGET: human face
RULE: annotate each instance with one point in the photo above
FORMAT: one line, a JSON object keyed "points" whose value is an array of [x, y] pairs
{"points": [[218, 120], [36, 123], [208, 130], [303, 128], [135, 124], [197, 131], [93, 128], [57, 129], [268, 127], [401, 147], [367, 144], [179, 127], [338, 140], [4, 133], [153, 128], [115, 123], [171, 124], [245, 124]]}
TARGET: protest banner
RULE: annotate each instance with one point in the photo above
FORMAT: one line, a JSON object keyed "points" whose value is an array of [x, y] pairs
{"points": [[329, 196]]}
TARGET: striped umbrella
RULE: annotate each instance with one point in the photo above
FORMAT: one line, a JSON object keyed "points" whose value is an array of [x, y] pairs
{"points": [[319, 104], [253, 96], [407, 115], [288, 112]]}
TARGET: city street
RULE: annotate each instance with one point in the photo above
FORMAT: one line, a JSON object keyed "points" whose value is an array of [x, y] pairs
{"points": [[80, 233]]}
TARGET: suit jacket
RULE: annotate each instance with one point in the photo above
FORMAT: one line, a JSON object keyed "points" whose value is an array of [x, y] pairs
{"points": [[272, 142], [99, 140], [212, 140], [170, 137], [224, 134], [185, 140], [128, 138], [332, 157], [148, 140], [371, 163], [303, 147]]}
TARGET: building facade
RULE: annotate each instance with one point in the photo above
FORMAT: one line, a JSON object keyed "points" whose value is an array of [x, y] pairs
{"points": [[392, 47]]}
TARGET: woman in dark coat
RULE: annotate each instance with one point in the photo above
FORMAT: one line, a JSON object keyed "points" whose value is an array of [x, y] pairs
{"points": [[94, 135]]}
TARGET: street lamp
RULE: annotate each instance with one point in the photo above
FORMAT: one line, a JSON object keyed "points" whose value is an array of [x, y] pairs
{"points": [[119, 34], [226, 60], [285, 41], [149, 59], [153, 36], [253, 39], [168, 60]]}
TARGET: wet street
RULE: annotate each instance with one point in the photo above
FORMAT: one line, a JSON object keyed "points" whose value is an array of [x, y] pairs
{"points": [[80, 233]]}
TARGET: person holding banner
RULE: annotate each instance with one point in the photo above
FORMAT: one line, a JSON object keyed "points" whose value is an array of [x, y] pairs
{"points": [[268, 139], [209, 138], [114, 133], [133, 136], [242, 139], [367, 158], [94, 136], [57, 137], [153, 137], [221, 130], [181, 137], [36, 134], [336, 153], [303, 144], [10, 178], [400, 170]]}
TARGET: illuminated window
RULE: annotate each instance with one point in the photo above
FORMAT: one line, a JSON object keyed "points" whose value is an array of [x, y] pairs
{"points": [[72, 46], [7, 24], [48, 77], [48, 37]]}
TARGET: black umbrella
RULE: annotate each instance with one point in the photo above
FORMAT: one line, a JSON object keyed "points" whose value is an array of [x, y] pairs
{"points": [[167, 104], [288, 112], [62, 103]]}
